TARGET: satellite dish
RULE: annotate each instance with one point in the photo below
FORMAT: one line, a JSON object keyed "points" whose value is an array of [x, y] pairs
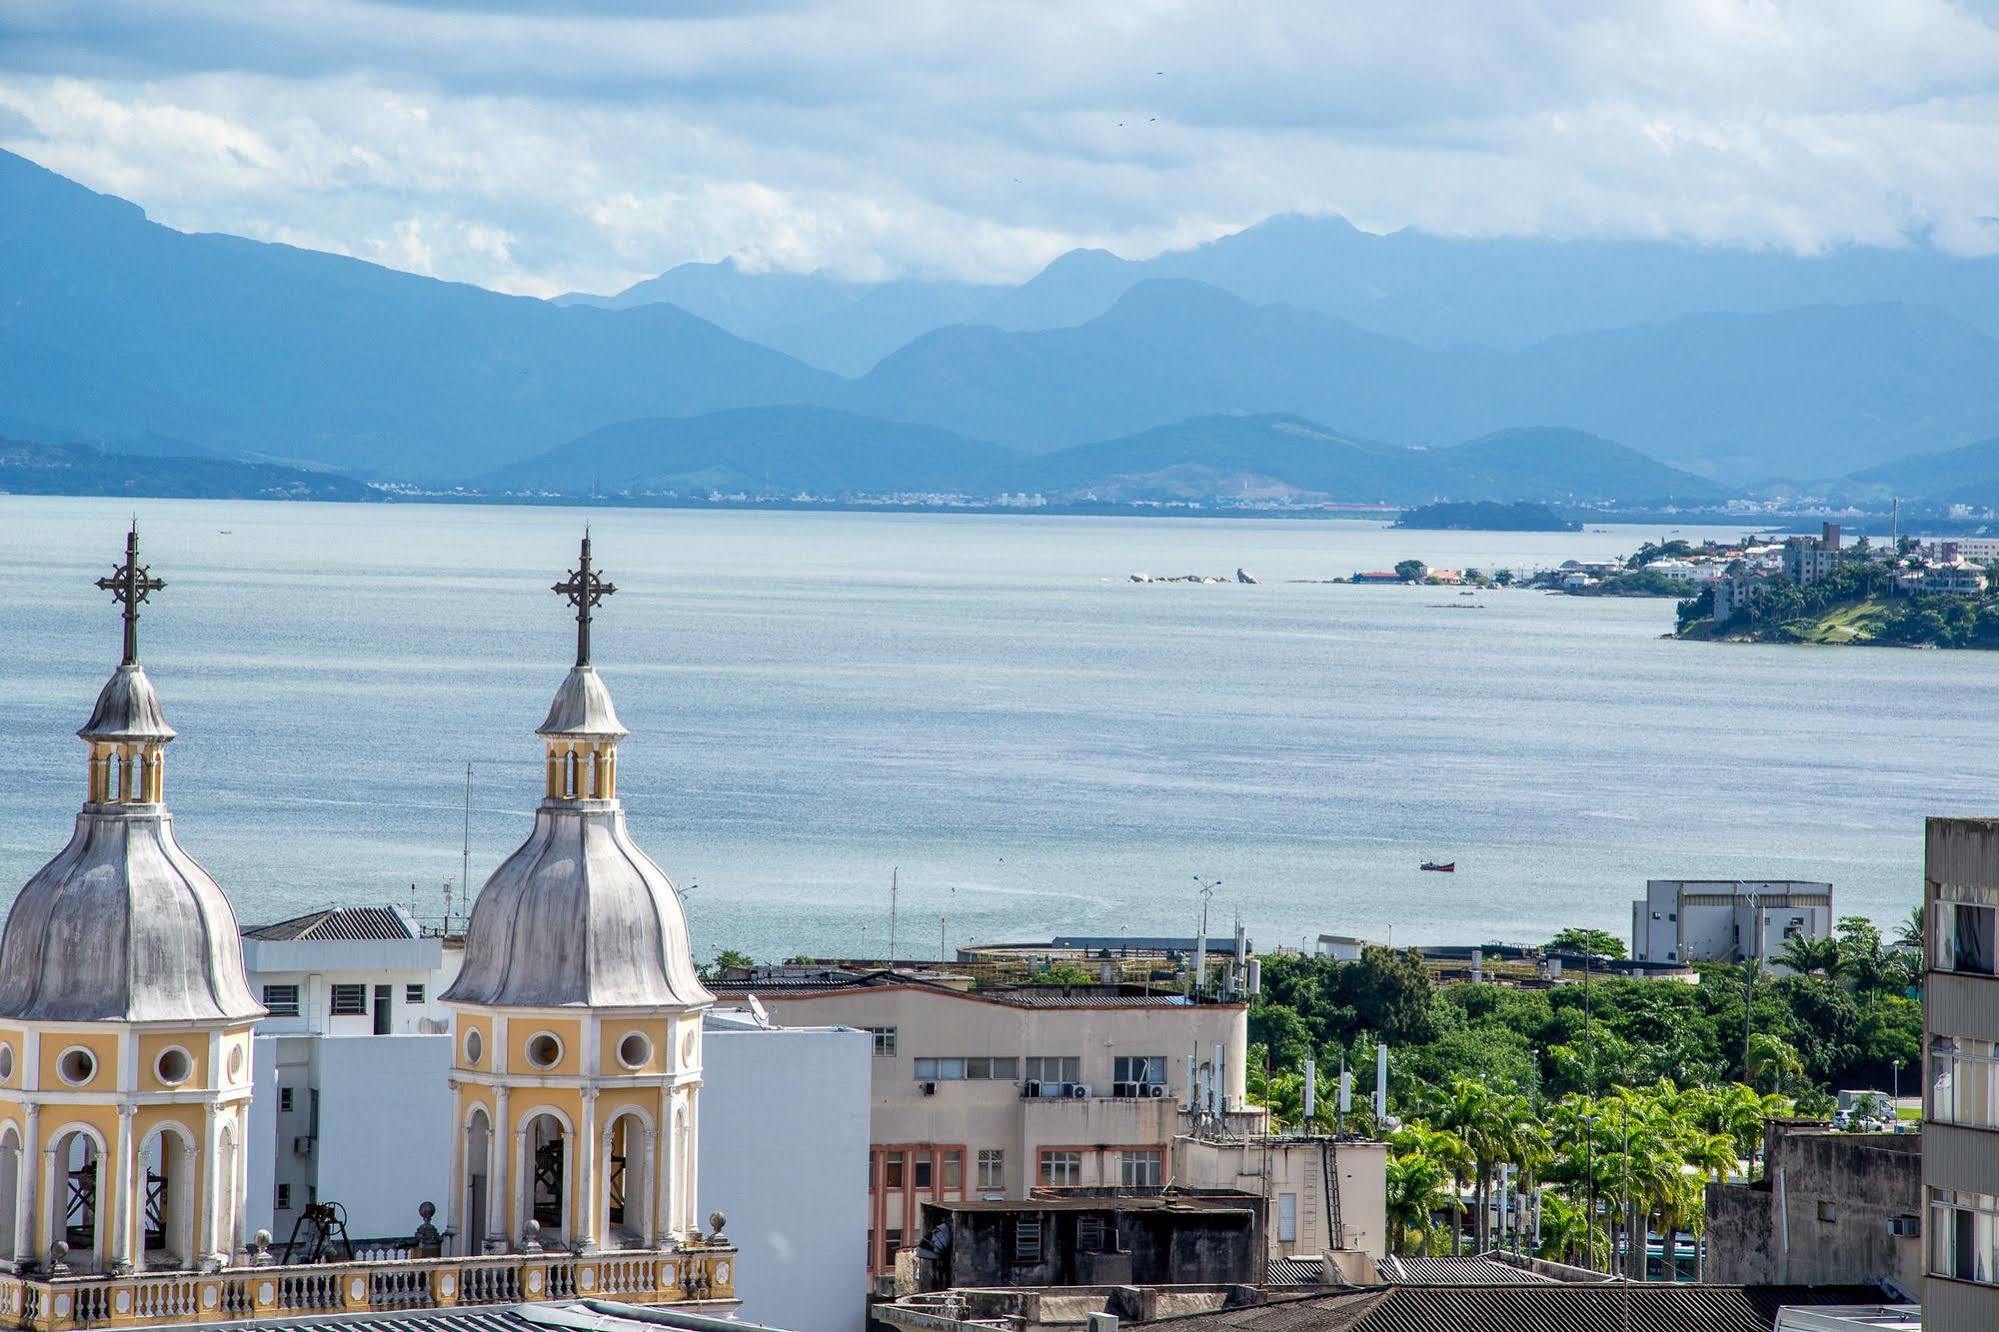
{"points": [[758, 1011]]}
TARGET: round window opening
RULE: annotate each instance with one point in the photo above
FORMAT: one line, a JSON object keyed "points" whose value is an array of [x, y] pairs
{"points": [[475, 1046], [174, 1066], [544, 1050], [77, 1066], [634, 1050], [6, 1062], [236, 1064]]}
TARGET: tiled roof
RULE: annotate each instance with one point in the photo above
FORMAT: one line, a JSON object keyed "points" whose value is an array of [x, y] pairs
{"points": [[1549, 1307], [1470, 1270], [338, 923]]}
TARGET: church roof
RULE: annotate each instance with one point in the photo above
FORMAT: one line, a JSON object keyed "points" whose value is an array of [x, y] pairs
{"points": [[123, 926], [578, 916], [582, 708], [128, 708]]}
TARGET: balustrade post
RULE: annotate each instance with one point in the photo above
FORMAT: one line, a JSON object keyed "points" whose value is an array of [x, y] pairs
{"points": [[446, 1280], [356, 1287]]}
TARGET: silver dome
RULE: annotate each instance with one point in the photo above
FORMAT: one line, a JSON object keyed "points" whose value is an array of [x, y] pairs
{"points": [[578, 916], [582, 709], [123, 926], [128, 708]]}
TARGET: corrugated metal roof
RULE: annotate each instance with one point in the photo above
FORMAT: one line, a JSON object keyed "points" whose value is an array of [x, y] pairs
{"points": [[1297, 1272], [1466, 1270], [1550, 1307], [348, 923]]}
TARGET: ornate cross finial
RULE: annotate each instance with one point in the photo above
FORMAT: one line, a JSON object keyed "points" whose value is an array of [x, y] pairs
{"points": [[583, 590], [130, 584]]}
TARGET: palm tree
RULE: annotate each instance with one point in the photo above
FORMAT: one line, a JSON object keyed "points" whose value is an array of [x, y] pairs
{"points": [[1481, 1119], [1772, 1056], [1566, 1233], [1911, 934], [1809, 957], [1418, 1187]]}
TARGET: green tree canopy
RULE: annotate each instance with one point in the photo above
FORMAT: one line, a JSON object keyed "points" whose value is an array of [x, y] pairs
{"points": [[1597, 943]]}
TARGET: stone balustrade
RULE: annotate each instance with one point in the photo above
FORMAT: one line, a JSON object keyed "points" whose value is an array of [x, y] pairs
{"points": [[696, 1276]]}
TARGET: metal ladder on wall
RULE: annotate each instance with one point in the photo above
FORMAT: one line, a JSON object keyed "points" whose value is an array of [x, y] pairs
{"points": [[1329, 1170]]}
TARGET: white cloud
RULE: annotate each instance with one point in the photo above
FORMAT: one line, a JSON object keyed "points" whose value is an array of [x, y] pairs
{"points": [[537, 148]]}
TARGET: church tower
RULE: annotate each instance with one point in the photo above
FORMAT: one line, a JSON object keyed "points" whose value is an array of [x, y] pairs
{"points": [[577, 1012], [125, 1018]]}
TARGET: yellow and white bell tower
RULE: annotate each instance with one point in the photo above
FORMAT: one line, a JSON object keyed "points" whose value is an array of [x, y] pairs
{"points": [[577, 1012], [125, 1018]]}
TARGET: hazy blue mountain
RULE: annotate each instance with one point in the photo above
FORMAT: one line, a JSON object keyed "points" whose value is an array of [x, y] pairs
{"points": [[1237, 456], [1272, 455], [1513, 292], [1553, 463], [1166, 351], [1811, 391], [1734, 396], [113, 328], [781, 451], [1437, 291], [78, 469], [763, 451], [836, 325], [1965, 475]]}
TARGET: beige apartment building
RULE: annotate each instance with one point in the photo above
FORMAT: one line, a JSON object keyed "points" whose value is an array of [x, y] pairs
{"points": [[992, 1093]]}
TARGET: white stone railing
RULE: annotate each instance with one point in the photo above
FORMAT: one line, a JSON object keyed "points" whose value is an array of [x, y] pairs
{"points": [[693, 1275]]}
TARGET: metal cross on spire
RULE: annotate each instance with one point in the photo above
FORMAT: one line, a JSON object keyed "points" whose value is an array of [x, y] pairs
{"points": [[583, 590], [130, 584]]}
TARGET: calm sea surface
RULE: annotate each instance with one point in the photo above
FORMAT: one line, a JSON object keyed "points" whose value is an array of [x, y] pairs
{"points": [[1040, 746]]}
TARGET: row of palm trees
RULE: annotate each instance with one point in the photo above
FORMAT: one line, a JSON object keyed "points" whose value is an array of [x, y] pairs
{"points": [[1636, 1160]]}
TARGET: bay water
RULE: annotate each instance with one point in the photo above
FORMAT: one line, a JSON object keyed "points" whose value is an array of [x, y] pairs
{"points": [[986, 704]]}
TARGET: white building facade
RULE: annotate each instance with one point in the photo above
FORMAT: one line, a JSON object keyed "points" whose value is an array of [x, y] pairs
{"points": [[1726, 920]]}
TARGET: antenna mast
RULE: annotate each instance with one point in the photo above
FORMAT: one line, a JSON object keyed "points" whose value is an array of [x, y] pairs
{"points": [[464, 853], [894, 888]]}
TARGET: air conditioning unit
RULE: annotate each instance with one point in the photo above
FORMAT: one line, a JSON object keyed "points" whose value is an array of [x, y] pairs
{"points": [[1905, 1227], [1031, 1087], [1127, 1090], [302, 1146], [1078, 1091], [1155, 1090]]}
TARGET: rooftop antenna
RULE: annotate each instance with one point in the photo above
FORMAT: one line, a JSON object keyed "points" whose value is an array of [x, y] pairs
{"points": [[1207, 891], [464, 852], [447, 908], [894, 888]]}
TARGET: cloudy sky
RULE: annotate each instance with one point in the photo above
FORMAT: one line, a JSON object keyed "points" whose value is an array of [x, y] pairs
{"points": [[541, 147]]}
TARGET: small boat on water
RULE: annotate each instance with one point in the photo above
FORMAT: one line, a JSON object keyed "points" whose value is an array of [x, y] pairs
{"points": [[1444, 867]]}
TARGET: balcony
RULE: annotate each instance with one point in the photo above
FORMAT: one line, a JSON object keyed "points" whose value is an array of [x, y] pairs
{"points": [[696, 1276]]}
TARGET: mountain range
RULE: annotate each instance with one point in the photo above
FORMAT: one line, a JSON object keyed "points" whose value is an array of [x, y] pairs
{"points": [[782, 451], [123, 334], [1438, 291]]}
